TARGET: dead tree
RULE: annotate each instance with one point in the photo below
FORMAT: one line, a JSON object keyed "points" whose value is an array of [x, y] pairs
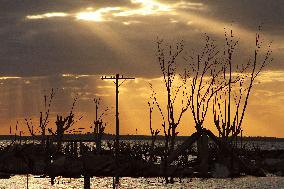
{"points": [[43, 119], [154, 133], [63, 124], [213, 79], [229, 104], [168, 66], [204, 71], [175, 85], [99, 125], [16, 130]]}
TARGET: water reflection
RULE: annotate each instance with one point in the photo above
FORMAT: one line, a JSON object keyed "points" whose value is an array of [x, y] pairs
{"points": [[17, 182]]}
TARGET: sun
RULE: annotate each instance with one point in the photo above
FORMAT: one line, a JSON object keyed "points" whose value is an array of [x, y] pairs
{"points": [[93, 16]]}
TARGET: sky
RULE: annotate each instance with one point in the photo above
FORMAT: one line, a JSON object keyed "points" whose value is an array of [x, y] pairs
{"points": [[68, 45]]}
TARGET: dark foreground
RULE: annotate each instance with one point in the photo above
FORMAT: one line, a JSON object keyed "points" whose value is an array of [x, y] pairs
{"points": [[75, 159]]}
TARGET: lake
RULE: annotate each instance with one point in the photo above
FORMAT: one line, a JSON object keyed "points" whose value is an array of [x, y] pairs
{"points": [[35, 182], [17, 182]]}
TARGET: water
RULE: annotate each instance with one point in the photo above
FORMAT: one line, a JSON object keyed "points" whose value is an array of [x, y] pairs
{"points": [[18, 182], [263, 145], [35, 182]]}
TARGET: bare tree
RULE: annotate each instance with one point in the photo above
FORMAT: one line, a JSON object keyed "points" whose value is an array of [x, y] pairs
{"points": [[63, 124], [204, 72], [16, 130], [175, 85], [99, 125], [43, 119], [168, 65], [154, 133], [229, 104]]}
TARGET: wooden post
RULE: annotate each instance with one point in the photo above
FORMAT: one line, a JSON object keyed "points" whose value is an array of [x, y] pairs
{"points": [[75, 149], [202, 147], [116, 116], [241, 139], [52, 178], [72, 148], [20, 137], [113, 183], [97, 129], [87, 182], [27, 181], [116, 145], [81, 148]]}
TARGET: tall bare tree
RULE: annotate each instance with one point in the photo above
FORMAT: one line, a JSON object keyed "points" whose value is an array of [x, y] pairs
{"points": [[43, 118], [229, 104], [167, 58], [204, 72], [99, 124], [154, 133]]}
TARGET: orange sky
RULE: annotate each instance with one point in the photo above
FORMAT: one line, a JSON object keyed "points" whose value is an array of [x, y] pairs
{"points": [[24, 100], [69, 46]]}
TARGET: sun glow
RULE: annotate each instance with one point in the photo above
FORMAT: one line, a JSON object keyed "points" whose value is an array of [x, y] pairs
{"points": [[9, 77], [75, 75], [96, 16], [141, 8], [46, 15], [148, 7]]}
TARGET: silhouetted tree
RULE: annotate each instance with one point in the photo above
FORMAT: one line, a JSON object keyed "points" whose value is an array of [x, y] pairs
{"points": [[204, 72], [229, 104], [154, 133], [63, 124], [99, 125], [168, 66], [43, 119], [167, 58]]}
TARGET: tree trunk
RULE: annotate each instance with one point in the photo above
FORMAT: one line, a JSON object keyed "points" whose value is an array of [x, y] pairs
{"points": [[43, 137], [98, 143], [172, 145], [59, 141]]}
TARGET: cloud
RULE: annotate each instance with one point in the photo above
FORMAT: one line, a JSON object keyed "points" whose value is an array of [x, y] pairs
{"points": [[270, 77], [249, 14], [47, 15], [67, 44], [52, 38]]}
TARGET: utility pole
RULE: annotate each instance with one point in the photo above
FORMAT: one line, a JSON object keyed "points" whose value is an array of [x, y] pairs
{"points": [[96, 129], [117, 85]]}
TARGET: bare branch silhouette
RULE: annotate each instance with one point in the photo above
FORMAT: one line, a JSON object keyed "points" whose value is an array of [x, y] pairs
{"points": [[43, 119], [234, 97]]}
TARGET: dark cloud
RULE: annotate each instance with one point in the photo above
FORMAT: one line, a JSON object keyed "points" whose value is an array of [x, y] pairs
{"points": [[65, 45], [18, 7], [41, 50], [249, 13]]}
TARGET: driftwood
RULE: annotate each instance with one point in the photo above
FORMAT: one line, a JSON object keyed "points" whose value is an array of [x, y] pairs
{"points": [[245, 164], [184, 146]]}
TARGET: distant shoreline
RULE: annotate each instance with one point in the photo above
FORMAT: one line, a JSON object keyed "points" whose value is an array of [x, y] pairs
{"points": [[90, 137]]}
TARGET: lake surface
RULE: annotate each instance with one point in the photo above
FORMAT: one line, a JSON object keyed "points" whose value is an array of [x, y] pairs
{"points": [[18, 182], [35, 182]]}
